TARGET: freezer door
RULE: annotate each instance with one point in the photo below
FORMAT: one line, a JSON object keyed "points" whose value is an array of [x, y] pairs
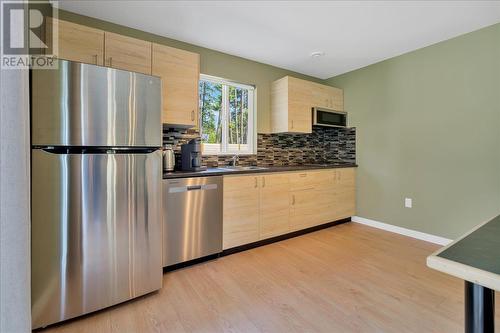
{"points": [[87, 105], [96, 231]]}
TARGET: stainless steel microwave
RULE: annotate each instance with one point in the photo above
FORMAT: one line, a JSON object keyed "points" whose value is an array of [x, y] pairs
{"points": [[330, 118]]}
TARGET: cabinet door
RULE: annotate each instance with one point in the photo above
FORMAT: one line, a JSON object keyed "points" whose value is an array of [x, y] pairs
{"points": [[127, 53], [320, 95], [299, 106], [311, 198], [279, 106], [336, 98], [180, 72], [274, 205], [324, 187], [344, 193], [303, 209], [75, 42], [327, 97], [241, 210]]}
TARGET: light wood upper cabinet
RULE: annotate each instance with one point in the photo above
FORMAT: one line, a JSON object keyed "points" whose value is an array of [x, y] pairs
{"points": [[127, 53], [241, 210], [75, 42], [179, 69], [80, 43], [291, 106], [327, 97], [274, 205], [180, 72], [292, 101]]}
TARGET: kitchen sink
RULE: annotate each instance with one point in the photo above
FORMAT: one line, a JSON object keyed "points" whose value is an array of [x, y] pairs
{"points": [[243, 168]]}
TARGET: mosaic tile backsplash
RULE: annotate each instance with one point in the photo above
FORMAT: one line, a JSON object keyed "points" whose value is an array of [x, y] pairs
{"points": [[323, 145]]}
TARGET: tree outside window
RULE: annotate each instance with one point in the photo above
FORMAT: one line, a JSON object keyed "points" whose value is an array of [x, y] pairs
{"points": [[227, 117]]}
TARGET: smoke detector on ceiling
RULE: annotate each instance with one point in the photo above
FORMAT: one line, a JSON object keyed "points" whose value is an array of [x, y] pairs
{"points": [[317, 54]]}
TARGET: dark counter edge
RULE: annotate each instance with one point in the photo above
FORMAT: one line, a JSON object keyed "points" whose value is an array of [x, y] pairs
{"points": [[219, 172], [255, 244]]}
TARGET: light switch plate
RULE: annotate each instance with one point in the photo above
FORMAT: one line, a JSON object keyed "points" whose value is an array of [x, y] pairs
{"points": [[408, 202]]}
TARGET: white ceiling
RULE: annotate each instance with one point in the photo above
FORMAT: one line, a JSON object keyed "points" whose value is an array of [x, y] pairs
{"points": [[352, 34]]}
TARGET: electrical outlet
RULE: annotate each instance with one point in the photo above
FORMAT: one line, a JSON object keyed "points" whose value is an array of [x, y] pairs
{"points": [[408, 202]]}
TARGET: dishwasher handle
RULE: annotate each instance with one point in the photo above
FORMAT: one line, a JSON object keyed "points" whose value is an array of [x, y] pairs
{"points": [[194, 187], [180, 189]]}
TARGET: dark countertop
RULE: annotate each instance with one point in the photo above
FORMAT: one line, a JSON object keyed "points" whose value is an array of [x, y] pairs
{"points": [[479, 249], [473, 257], [220, 172]]}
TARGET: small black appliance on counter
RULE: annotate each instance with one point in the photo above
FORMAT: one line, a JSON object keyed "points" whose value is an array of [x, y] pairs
{"points": [[191, 156]]}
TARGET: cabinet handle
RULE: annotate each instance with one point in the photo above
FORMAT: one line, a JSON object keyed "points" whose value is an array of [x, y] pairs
{"points": [[192, 115], [293, 199], [292, 123], [263, 181], [95, 59], [303, 175], [110, 61], [256, 182]]}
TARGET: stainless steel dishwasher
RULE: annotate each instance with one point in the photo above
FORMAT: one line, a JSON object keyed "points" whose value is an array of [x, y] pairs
{"points": [[192, 218]]}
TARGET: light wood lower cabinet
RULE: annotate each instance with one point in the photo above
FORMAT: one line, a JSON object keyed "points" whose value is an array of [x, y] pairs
{"points": [[302, 209], [274, 205], [241, 210], [344, 193], [311, 198], [261, 206]]}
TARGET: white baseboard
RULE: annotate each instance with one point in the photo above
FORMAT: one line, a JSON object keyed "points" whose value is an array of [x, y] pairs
{"points": [[402, 231]]}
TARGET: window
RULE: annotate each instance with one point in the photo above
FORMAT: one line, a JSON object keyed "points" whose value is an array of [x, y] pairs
{"points": [[227, 117]]}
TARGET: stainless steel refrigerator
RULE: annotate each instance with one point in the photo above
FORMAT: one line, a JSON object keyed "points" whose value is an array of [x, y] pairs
{"points": [[96, 189]]}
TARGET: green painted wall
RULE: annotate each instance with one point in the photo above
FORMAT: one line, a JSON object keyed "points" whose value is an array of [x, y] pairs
{"points": [[212, 63], [428, 127]]}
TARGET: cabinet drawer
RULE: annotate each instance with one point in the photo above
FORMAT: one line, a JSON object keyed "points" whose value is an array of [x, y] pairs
{"points": [[240, 182], [270, 180], [311, 179]]}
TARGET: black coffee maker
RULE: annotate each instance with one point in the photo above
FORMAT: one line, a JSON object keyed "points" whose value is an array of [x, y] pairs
{"points": [[191, 156]]}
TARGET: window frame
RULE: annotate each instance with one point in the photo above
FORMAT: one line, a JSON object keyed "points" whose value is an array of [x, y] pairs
{"points": [[252, 115]]}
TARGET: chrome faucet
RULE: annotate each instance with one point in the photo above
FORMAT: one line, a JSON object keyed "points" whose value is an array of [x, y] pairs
{"points": [[235, 160]]}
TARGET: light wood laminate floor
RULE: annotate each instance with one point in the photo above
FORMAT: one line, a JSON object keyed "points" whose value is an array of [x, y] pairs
{"points": [[347, 278]]}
